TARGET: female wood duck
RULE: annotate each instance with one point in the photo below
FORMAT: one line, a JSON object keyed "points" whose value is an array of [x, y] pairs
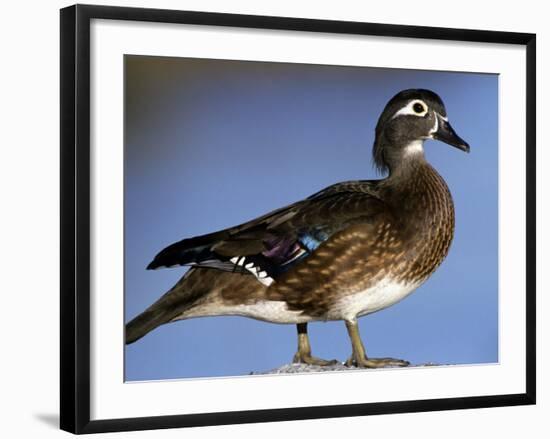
{"points": [[349, 250]]}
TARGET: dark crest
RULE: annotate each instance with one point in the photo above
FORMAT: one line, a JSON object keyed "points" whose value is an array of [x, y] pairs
{"points": [[379, 151]]}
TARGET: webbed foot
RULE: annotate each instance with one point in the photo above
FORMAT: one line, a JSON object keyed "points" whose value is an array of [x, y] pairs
{"points": [[373, 363], [301, 357], [303, 354], [359, 355]]}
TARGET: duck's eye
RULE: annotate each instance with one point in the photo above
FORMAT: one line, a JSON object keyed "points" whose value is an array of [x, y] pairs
{"points": [[418, 108]]}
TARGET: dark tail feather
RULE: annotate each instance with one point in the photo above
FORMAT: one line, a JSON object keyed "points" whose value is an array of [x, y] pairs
{"points": [[179, 298], [187, 251], [143, 324]]}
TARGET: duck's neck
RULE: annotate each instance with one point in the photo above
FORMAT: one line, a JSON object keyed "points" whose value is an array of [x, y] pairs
{"points": [[408, 169], [415, 189], [397, 155]]}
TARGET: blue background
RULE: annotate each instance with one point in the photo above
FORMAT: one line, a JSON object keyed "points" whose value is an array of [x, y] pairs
{"points": [[210, 144]]}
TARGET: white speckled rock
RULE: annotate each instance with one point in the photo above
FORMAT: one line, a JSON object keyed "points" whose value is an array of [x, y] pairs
{"points": [[303, 368], [306, 368]]}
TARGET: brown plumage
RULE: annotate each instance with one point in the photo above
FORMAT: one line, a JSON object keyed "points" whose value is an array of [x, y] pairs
{"points": [[402, 240]]}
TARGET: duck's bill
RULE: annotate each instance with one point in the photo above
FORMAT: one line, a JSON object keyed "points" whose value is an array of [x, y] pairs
{"points": [[447, 134]]}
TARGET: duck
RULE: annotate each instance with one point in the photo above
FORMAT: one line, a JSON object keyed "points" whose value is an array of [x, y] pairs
{"points": [[349, 250]]}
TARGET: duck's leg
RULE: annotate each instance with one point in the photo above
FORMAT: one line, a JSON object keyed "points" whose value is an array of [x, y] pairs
{"points": [[303, 355], [359, 355]]}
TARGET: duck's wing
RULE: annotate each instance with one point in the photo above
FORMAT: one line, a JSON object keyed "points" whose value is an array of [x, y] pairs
{"points": [[271, 244]]}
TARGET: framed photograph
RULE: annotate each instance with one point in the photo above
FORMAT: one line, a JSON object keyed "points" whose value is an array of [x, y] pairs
{"points": [[259, 214]]}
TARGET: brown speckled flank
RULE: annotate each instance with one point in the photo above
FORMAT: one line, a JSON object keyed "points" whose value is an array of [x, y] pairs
{"points": [[406, 241], [349, 250]]}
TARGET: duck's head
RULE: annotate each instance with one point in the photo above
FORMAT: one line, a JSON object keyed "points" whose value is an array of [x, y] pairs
{"points": [[411, 117]]}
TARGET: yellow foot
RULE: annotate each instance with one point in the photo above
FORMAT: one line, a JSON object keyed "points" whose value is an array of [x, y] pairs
{"points": [[310, 359], [372, 363]]}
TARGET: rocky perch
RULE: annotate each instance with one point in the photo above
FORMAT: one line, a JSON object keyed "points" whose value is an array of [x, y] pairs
{"points": [[303, 368]]}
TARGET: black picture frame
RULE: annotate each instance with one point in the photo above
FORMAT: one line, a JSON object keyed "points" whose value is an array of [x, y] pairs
{"points": [[75, 217]]}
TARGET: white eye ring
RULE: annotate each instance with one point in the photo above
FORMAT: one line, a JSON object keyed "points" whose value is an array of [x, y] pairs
{"points": [[409, 109]]}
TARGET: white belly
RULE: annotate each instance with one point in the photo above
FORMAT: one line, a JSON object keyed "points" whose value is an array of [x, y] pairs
{"points": [[385, 293], [268, 310]]}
